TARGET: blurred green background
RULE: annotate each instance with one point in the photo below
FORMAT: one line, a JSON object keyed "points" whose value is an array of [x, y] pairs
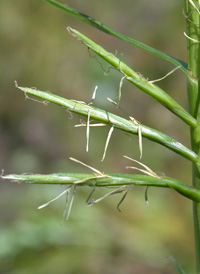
{"points": [[37, 51]]}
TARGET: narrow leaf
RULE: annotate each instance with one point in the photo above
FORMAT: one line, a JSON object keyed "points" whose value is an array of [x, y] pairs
{"points": [[114, 120], [180, 270], [138, 80], [111, 180], [102, 27]]}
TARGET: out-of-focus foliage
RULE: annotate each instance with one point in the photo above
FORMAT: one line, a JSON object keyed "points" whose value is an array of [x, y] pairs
{"points": [[37, 51]]}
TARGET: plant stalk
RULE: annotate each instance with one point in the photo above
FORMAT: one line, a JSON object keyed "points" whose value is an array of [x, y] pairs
{"points": [[113, 120], [107, 180], [193, 49]]}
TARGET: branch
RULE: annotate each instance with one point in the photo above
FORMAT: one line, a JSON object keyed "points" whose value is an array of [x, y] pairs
{"points": [[115, 121], [138, 80], [102, 27], [109, 180]]}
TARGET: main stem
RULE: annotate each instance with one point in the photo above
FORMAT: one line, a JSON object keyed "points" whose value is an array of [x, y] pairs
{"points": [[193, 49]]}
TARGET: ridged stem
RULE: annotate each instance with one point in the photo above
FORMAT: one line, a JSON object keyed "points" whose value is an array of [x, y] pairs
{"points": [[193, 49]]}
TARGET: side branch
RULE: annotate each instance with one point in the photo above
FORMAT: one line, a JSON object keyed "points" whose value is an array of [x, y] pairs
{"points": [[115, 121], [109, 180], [137, 80], [102, 27]]}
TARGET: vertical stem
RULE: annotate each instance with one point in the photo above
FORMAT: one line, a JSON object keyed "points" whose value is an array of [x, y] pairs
{"points": [[196, 218], [193, 49]]}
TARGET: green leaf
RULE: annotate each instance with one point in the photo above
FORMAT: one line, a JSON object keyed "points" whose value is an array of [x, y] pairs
{"points": [[96, 24], [180, 270], [114, 120], [108, 180], [138, 80]]}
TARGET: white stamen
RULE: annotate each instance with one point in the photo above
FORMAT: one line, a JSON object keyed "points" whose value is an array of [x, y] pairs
{"points": [[120, 89], [93, 96], [71, 203], [194, 6], [88, 132], [162, 78], [141, 170], [150, 171], [193, 40], [91, 125], [57, 197], [83, 164], [107, 142], [120, 189], [139, 134]]}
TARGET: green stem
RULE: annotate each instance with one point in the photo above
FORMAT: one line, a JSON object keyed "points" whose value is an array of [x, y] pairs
{"points": [[193, 32], [114, 120], [108, 180], [99, 25], [138, 80]]}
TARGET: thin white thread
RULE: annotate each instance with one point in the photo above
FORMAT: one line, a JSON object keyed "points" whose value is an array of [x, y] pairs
{"points": [[140, 139], [120, 89], [139, 135], [91, 125], [194, 6], [146, 196], [83, 164], [193, 40], [56, 198], [65, 209], [148, 171], [35, 100], [134, 122], [16, 84], [29, 98], [118, 190], [88, 131], [71, 203], [162, 78], [93, 95], [141, 170], [107, 142], [68, 204]]}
